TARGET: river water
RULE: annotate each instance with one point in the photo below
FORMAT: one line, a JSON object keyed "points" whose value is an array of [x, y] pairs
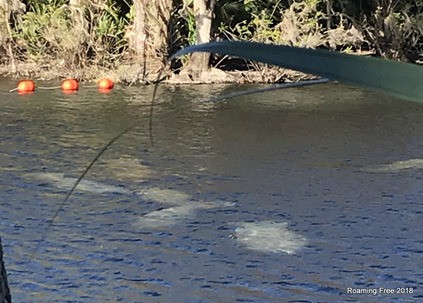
{"points": [[309, 194]]}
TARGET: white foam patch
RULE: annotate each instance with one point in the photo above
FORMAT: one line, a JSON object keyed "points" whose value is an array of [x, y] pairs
{"points": [[60, 181], [396, 166], [269, 236]]}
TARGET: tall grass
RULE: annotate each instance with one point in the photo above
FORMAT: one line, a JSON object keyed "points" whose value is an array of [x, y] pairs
{"points": [[75, 35]]}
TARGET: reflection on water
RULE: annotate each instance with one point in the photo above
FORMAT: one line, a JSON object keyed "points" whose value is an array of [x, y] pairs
{"points": [[263, 198], [126, 168]]}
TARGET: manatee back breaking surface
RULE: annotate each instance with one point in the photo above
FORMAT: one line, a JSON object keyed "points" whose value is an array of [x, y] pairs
{"points": [[269, 236]]}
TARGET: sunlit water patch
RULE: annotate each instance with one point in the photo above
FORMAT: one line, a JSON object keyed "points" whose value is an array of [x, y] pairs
{"points": [[269, 236], [126, 168]]}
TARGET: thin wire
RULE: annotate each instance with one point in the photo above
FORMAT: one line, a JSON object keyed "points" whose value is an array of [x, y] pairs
{"points": [[153, 99], [40, 87], [52, 87], [48, 87]]}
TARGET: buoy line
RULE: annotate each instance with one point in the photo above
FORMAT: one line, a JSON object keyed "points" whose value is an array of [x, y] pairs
{"points": [[104, 85]]}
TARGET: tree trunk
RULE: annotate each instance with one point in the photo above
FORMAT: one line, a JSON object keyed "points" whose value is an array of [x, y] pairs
{"points": [[4, 286], [140, 31], [150, 33], [199, 62]]}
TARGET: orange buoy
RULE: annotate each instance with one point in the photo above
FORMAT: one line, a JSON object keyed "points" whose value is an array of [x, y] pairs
{"points": [[26, 86], [69, 85], [105, 83]]}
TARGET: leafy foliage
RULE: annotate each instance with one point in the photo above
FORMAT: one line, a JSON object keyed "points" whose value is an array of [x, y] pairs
{"points": [[52, 29], [98, 32]]}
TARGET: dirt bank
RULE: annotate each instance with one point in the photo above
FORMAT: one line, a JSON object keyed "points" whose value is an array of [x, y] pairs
{"points": [[133, 74]]}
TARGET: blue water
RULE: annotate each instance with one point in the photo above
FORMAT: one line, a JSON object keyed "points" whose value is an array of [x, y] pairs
{"points": [[296, 158]]}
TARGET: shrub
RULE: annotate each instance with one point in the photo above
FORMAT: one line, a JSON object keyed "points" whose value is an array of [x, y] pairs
{"points": [[78, 33], [395, 28]]}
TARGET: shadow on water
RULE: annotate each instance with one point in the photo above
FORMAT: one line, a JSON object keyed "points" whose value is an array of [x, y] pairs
{"points": [[307, 194]]}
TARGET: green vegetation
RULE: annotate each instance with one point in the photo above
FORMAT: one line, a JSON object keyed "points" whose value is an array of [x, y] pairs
{"points": [[74, 36], [133, 38]]}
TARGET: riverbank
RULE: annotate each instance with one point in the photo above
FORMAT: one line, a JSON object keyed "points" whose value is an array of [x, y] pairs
{"points": [[129, 74], [92, 39]]}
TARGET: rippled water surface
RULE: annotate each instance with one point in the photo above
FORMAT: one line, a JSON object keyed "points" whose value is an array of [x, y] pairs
{"points": [[309, 194]]}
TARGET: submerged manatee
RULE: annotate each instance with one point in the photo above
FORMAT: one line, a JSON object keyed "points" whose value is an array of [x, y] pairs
{"points": [[182, 205], [165, 196], [395, 166], [60, 181], [269, 236], [177, 214], [166, 217]]}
